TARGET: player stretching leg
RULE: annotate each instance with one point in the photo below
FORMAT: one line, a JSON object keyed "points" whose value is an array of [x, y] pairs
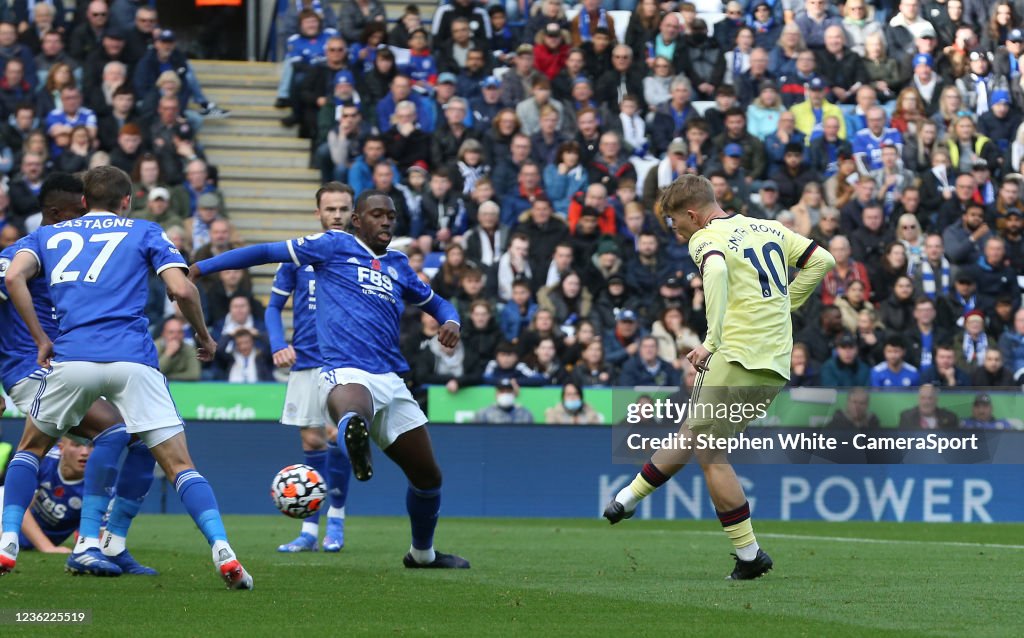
{"points": [[362, 286], [745, 358], [303, 406], [97, 268], [61, 200]]}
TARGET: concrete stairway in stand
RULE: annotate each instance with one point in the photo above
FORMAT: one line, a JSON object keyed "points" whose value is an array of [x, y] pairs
{"points": [[263, 167]]}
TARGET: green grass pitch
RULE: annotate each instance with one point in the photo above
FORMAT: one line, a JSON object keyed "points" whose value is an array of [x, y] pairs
{"points": [[548, 577]]}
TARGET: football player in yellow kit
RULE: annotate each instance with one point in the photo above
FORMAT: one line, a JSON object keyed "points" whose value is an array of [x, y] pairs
{"points": [[744, 360]]}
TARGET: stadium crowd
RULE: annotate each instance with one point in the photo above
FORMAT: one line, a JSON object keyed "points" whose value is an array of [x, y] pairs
{"points": [[525, 142]]}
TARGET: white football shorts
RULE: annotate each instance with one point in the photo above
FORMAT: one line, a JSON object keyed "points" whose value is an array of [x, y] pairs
{"points": [[139, 392], [395, 412], [304, 406]]}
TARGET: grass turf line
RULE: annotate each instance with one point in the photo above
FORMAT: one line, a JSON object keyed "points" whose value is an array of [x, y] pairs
{"points": [[542, 577]]}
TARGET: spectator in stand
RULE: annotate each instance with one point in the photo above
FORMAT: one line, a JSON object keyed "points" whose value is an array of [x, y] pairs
{"points": [[173, 140], [970, 346], [52, 51], [844, 368], [86, 36], [794, 175], [24, 211], [1014, 237], [505, 410], [163, 56], [138, 31], [894, 371], [244, 359], [856, 415], [992, 373], [945, 372], [71, 113], [128, 149], [572, 410], [177, 357], [11, 49], [802, 371], [810, 114], [146, 176], [356, 15], [994, 277], [963, 239], [157, 209], [622, 341], [820, 339], [646, 368], [705, 65], [775, 144], [1011, 344], [198, 225], [15, 89], [304, 48], [528, 110], [795, 85], [927, 415]]}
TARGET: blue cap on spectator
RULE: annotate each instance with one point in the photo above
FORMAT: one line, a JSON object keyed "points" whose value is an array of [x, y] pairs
{"points": [[1015, 35], [733, 150], [345, 76], [924, 58], [490, 82], [581, 79], [1000, 95], [625, 315], [446, 78], [166, 36], [817, 84], [113, 33]]}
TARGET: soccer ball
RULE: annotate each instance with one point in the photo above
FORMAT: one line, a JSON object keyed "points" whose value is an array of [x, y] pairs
{"points": [[298, 491]]}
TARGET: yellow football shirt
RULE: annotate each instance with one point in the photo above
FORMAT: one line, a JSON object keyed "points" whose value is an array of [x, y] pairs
{"points": [[755, 329]]}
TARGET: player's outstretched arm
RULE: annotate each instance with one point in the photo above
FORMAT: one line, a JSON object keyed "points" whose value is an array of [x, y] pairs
{"points": [[241, 258], [23, 267], [34, 533], [814, 265], [185, 293]]}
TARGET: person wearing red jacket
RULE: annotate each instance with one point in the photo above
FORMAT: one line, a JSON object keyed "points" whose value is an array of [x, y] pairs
{"points": [[551, 50], [595, 197]]}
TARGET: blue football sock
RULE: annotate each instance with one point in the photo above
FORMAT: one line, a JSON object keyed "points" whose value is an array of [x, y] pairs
{"points": [[133, 483], [19, 488], [100, 474], [423, 507], [339, 473], [316, 459], [197, 497]]}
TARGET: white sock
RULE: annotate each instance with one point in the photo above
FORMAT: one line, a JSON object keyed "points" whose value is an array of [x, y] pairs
{"points": [[335, 512], [310, 528], [218, 547], [85, 543], [627, 498], [7, 539], [748, 552], [423, 556], [112, 544]]}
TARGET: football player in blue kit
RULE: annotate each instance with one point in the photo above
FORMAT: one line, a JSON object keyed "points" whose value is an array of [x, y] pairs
{"points": [[61, 199], [362, 288], [57, 507], [97, 268], [303, 406]]}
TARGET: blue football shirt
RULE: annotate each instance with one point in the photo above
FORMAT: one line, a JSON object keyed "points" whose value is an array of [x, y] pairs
{"points": [[17, 349], [58, 503], [360, 299], [300, 281], [97, 268]]}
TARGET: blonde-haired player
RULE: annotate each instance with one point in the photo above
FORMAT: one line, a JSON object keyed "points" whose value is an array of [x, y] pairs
{"points": [[744, 361]]}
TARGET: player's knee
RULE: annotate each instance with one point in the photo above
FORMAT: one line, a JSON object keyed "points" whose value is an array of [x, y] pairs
{"points": [[426, 479]]}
